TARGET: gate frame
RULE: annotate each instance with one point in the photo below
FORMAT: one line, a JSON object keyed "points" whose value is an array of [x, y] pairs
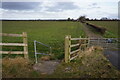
{"points": [[35, 49]]}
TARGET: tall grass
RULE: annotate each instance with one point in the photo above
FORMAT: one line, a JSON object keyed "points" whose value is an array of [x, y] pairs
{"points": [[17, 68]]}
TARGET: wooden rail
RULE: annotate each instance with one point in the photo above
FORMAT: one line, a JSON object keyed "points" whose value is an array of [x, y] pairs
{"points": [[74, 45], [11, 35], [68, 47], [13, 44], [75, 51], [12, 52], [24, 44]]}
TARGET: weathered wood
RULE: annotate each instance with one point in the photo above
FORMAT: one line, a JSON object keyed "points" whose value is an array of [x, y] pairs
{"points": [[69, 46], [74, 45], [88, 42], [79, 47], [79, 38], [83, 44], [25, 47], [73, 57], [67, 49], [12, 35], [93, 38], [24, 44], [13, 44], [75, 51], [11, 52]]}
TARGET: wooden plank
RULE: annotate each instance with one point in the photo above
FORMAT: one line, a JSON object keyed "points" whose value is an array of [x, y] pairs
{"points": [[84, 44], [88, 43], [74, 45], [73, 57], [25, 47], [67, 49], [79, 48], [13, 44], [102, 38], [74, 51], [11, 52], [91, 38], [69, 46], [79, 38], [12, 35]]}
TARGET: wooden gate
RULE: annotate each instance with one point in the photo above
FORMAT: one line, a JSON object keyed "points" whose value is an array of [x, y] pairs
{"points": [[82, 44]]}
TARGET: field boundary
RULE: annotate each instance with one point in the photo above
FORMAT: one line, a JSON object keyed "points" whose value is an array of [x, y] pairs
{"points": [[24, 44], [98, 28]]}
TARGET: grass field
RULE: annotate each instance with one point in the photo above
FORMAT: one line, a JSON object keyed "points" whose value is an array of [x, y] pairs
{"points": [[111, 26], [47, 32]]}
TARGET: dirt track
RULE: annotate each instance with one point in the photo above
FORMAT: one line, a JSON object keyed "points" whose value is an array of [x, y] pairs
{"points": [[112, 56]]}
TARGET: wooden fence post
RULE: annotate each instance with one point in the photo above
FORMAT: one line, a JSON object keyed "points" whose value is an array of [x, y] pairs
{"points": [[67, 48], [80, 46], [26, 45], [88, 42]]}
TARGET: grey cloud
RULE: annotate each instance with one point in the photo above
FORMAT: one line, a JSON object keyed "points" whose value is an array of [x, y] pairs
{"points": [[61, 6], [112, 15], [19, 5], [96, 7], [93, 5]]}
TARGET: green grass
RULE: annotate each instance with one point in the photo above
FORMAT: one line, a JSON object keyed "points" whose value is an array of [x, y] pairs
{"points": [[47, 32], [89, 65], [111, 26]]}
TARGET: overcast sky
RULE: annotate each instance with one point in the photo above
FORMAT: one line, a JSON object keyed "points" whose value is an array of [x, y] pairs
{"points": [[58, 9]]}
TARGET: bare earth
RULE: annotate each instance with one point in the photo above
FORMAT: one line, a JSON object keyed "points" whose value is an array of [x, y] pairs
{"points": [[46, 67]]}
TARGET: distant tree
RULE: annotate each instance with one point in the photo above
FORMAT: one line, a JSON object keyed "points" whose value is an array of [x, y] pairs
{"points": [[82, 18], [104, 18], [68, 19], [91, 19], [72, 19], [95, 19], [87, 19]]}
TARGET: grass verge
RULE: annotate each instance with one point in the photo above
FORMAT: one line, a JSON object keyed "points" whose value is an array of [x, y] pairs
{"points": [[90, 64]]}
